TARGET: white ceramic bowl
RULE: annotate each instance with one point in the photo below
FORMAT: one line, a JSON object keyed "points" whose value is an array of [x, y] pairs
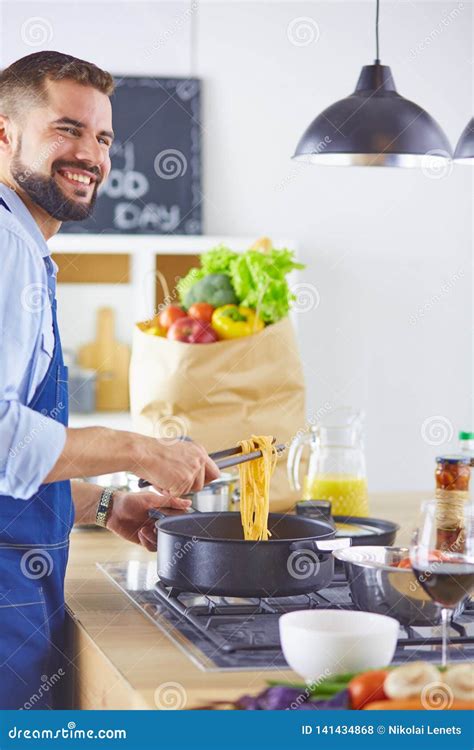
{"points": [[319, 642]]}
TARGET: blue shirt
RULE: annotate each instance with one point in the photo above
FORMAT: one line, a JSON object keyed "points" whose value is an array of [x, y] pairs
{"points": [[30, 443]]}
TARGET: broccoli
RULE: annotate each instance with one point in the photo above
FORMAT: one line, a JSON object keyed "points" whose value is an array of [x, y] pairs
{"points": [[215, 288]]}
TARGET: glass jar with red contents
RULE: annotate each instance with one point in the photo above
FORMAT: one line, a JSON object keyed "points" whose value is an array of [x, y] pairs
{"points": [[452, 475]]}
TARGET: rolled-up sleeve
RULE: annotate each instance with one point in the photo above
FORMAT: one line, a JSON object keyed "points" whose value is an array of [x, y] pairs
{"points": [[30, 442]]}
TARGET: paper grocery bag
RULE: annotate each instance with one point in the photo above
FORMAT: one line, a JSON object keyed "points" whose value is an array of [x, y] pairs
{"points": [[220, 393]]}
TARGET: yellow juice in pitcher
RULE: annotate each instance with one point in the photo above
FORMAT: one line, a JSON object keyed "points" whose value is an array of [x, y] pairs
{"points": [[347, 494]]}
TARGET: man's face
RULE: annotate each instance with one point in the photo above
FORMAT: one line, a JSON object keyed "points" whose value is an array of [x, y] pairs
{"points": [[62, 153]]}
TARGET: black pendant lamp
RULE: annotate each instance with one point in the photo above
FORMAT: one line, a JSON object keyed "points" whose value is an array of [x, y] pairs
{"points": [[374, 126], [464, 153]]}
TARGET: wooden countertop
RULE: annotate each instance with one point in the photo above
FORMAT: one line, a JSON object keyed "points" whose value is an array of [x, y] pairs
{"points": [[120, 660]]}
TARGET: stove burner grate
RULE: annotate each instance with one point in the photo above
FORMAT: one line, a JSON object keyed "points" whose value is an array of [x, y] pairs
{"points": [[236, 634], [230, 624]]}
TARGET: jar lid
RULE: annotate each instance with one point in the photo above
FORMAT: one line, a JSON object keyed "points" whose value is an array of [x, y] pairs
{"points": [[452, 459], [466, 435]]}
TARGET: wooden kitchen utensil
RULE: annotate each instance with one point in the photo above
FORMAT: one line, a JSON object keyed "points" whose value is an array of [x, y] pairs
{"points": [[111, 360]]}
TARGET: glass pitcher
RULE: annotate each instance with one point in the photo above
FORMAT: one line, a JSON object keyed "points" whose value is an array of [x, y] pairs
{"points": [[336, 469]]}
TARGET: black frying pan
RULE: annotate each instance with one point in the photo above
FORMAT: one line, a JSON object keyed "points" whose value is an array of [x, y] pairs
{"points": [[361, 530], [206, 553]]}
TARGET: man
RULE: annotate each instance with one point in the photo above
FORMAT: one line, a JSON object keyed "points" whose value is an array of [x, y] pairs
{"points": [[55, 136]]}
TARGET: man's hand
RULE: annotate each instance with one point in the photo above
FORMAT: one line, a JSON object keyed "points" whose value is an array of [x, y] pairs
{"points": [[173, 467], [129, 515]]}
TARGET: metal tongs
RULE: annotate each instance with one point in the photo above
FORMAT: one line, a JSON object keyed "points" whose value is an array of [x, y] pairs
{"points": [[230, 457]]}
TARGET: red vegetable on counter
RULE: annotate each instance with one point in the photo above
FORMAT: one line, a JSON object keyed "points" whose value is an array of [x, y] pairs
{"points": [[367, 688]]}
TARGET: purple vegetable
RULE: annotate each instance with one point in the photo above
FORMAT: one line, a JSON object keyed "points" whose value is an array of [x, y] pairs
{"points": [[249, 703], [340, 701], [279, 697], [275, 698]]}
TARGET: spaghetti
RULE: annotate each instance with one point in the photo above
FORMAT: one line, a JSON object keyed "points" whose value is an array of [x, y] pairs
{"points": [[255, 479]]}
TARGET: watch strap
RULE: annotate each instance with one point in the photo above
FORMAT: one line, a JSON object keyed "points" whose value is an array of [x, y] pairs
{"points": [[104, 507]]}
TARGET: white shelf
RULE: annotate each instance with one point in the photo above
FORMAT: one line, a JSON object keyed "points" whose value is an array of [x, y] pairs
{"points": [[144, 250], [155, 244]]}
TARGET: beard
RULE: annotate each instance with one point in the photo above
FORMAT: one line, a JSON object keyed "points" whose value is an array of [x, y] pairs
{"points": [[46, 193]]}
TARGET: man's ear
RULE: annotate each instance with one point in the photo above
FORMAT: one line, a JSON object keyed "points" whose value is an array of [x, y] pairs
{"points": [[5, 134]]}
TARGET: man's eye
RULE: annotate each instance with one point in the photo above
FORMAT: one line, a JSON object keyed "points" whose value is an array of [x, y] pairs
{"points": [[105, 141], [72, 131]]}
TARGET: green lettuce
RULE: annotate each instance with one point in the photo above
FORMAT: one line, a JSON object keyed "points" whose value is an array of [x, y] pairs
{"points": [[258, 278], [218, 260]]}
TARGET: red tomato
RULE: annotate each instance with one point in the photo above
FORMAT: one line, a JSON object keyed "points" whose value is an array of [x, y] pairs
{"points": [[201, 311], [170, 315], [366, 688]]}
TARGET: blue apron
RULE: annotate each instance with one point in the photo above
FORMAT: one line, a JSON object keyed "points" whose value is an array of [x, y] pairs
{"points": [[34, 545]]}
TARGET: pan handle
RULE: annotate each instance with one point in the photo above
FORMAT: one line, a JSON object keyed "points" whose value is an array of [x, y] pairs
{"points": [[330, 545], [156, 513], [321, 545]]}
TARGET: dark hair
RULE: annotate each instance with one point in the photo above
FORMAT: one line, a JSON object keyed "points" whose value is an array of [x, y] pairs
{"points": [[24, 80]]}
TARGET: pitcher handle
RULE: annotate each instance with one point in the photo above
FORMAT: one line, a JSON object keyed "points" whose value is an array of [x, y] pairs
{"points": [[294, 459]]}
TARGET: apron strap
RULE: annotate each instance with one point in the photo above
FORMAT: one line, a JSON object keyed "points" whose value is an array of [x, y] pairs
{"points": [[2, 203]]}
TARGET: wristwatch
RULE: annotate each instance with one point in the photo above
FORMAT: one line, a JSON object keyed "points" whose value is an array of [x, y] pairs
{"points": [[104, 507]]}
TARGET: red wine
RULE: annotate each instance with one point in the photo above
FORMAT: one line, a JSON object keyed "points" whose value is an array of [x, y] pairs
{"points": [[447, 583]]}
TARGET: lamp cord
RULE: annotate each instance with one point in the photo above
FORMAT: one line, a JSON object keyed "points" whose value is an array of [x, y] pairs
{"points": [[377, 49], [193, 14]]}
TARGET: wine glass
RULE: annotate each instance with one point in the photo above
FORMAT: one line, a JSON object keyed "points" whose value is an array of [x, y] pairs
{"points": [[443, 560]]}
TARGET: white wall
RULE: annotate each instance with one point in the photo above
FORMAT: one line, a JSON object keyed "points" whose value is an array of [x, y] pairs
{"points": [[388, 252]]}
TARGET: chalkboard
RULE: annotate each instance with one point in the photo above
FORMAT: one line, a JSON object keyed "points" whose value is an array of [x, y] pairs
{"points": [[155, 183]]}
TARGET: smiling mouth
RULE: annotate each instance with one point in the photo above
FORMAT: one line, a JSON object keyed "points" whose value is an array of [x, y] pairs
{"points": [[78, 179]]}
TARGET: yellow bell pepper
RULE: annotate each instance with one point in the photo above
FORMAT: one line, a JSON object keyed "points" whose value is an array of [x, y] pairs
{"points": [[233, 322], [156, 331]]}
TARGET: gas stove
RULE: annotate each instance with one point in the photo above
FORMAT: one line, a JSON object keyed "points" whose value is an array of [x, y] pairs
{"points": [[233, 634]]}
